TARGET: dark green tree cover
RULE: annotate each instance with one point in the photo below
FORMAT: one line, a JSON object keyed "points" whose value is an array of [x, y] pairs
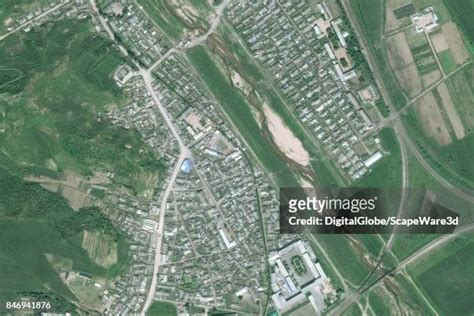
{"points": [[58, 303], [90, 218], [24, 199]]}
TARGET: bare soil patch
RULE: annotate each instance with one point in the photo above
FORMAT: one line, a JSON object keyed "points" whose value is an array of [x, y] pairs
{"points": [[195, 121], [431, 119], [431, 77], [391, 22], [284, 138], [7, 21], [439, 42], [455, 42], [453, 115]]}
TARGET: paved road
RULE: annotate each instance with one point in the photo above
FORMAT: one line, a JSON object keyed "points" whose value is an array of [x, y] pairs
{"points": [[32, 20], [215, 20], [425, 250], [184, 153]]}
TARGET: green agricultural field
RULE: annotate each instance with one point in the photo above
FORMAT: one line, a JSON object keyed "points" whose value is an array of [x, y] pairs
{"points": [[441, 253], [162, 309], [450, 283], [447, 61], [461, 89], [462, 12], [49, 115], [335, 280], [373, 22], [236, 108], [35, 222], [422, 53], [378, 305]]}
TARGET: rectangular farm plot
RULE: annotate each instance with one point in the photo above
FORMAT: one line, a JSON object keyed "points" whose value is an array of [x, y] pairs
{"points": [[402, 62], [422, 54], [450, 283], [431, 119], [449, 47], [447, 61], [453, 115], [455, 43], [461, 87]]}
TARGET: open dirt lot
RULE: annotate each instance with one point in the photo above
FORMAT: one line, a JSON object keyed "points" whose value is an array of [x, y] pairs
{"points": [[391, 22], [284, 138], [439, 42], [455, 42], [431, 119], [403, 64], [430, 78], [453, 115]]}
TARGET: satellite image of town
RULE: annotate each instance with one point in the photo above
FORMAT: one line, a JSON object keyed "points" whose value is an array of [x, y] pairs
{"points": [[237, 157]]}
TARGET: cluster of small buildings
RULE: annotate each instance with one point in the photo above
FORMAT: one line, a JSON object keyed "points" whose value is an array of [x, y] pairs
{"points": [[132, 215], [130, 289], [425, 21], [214, 248], [213, 243], [303, 48], [52, 10], [137, 31]]}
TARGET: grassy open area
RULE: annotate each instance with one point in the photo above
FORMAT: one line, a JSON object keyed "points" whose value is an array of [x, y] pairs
{"points": [[162, 309], [49, 115], [414, 296], [447, 61]]}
